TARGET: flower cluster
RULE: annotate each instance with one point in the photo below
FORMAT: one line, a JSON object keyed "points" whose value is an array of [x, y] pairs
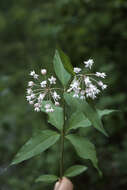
{"points": [[87, 85], [40, 89]]}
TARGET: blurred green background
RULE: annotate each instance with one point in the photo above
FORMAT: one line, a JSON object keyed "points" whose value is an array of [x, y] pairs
{"points": [[29, 33]]}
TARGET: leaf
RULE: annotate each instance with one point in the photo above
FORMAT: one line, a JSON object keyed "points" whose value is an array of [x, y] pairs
{"points": [[89, 111], [105, 112], [60, 71], [36, 145], [66, 62], [47, 178], [55, 118], [75, 170], [77, 120], [85, 149]]}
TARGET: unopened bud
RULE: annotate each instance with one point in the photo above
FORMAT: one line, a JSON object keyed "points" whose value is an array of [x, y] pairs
{"points": [[43, 71]]}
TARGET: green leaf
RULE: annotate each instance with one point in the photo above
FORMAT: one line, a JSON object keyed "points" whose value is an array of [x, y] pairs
{"points": [[47, 178], [75, 170], [89, 111], [77, 120], [36, 145], [105, 112], [66, 62], [55, 118], [60, 71], [85, 149]]}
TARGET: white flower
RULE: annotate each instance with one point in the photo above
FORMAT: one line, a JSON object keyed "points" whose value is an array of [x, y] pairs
{"points": [[69, 90], [89, 63], [102, 75], [37, 109], [41, 97], [104, 87], [43, 84], [85, 85], [30, 83], [57, 103], [36, 76], [87, 81], [28, 98], [36, 105], [32, 96], [49, 110], [77, 70], [47, 106], [43, 71], [82, 97], [76, 95], [100, 83], [75, 84], [55, 96], [31, 102], [52, 80], [32, 73], [29, 91], [37, 91], [92, 91]]}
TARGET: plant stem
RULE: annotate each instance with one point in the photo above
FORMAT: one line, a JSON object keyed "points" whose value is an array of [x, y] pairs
{"points": [[62, 146], [62, 154]]}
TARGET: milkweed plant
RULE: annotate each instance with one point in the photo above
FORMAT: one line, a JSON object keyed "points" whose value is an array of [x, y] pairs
{"points": [[76, 87]]}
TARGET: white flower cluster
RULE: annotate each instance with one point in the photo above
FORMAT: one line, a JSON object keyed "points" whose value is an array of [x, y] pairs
{"points": [[40, 89], [86, 85]]}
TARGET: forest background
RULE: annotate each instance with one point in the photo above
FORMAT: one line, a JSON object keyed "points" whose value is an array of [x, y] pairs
{"points": [[29, 34]]}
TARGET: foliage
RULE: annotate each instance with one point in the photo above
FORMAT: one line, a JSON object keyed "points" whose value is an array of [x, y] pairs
{"points": [[57, 117]]}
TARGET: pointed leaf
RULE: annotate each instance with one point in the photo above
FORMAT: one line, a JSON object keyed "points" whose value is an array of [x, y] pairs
{"points": [[77, 119], [47, 178], [75, 170], [36, 145], [85, 149], [66, 62], [55, 118], [105, 112], [89, 111], [60, 71]]}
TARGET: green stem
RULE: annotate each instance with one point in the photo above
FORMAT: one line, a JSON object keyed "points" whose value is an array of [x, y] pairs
{"points": [[62, 154], [62, 146]]}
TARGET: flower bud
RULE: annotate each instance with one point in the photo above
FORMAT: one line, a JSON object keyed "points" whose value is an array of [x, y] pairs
{"points": [[43, 71], [57, 103]]}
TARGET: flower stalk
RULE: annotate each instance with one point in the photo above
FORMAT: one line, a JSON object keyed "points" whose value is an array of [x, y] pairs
{"points": [[62, 154], [62, 143]]}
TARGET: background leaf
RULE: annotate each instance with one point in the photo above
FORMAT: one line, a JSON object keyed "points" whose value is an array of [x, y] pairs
{"points": [[55, 118], [85, 149], [89, 111], [36, 145], [47, 178], [75, 170], [60, 71]]}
